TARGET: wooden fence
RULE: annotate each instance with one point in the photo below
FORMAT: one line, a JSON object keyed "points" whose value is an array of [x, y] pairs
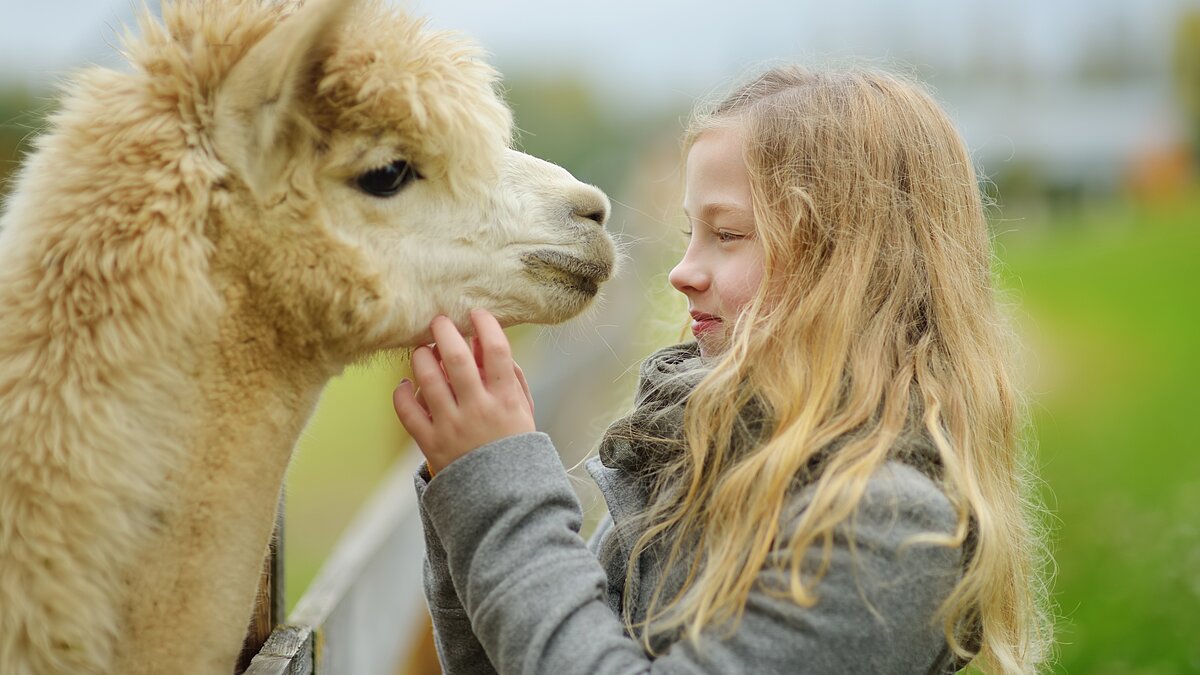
{"points": [[365, 612]]}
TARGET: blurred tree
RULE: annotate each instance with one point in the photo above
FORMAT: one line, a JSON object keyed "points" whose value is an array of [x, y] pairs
{"points": [[1112, 54], [560, 119], [1187, 72]]}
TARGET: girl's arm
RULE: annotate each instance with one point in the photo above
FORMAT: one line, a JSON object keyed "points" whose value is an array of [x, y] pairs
{"points": [[459, 650], [536, 596]]}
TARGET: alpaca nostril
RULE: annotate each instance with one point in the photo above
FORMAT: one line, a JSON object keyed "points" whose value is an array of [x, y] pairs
{"points": [[592, 206], [598, 216]]}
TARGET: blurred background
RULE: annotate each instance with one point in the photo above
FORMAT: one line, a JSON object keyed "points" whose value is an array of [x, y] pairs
{"points": [[1084, 117]]}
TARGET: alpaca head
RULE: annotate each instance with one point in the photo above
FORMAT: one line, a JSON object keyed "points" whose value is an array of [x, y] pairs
{"points": [[369, 184]]}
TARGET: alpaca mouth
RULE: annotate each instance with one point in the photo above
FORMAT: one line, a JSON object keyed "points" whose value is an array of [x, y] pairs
{"points": [[583, 276]]}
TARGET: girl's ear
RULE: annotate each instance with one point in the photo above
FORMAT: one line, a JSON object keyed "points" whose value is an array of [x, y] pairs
{"points": [[264, 93]]}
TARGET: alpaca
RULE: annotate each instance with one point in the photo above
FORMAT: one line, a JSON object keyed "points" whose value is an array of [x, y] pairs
{"points": [[198, 243]]}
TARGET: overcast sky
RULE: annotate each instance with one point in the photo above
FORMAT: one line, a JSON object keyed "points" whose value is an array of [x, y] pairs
{"points": [[654, 52], [692, 44], [684, 45]]}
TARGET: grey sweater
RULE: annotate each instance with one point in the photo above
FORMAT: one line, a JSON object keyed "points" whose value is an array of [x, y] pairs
{"points": [[513, 588]]}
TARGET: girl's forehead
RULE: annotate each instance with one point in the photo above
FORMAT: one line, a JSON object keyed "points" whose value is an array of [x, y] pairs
{"points": [[716, 175]]}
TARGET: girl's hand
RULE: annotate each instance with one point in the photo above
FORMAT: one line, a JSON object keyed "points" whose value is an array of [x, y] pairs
{"points": [[465, 395]]}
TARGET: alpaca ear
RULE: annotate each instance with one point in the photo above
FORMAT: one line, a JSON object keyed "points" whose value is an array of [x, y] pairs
{"points": [[262, 96]]}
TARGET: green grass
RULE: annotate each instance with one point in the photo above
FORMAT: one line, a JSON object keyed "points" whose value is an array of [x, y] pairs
{"points": [[1111, 304]]}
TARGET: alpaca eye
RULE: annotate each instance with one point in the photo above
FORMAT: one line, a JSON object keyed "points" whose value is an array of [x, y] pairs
{"points": [[388, 180]]}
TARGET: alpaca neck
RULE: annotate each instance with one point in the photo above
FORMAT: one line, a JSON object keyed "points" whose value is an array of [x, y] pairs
{"points": [[198, 575]]}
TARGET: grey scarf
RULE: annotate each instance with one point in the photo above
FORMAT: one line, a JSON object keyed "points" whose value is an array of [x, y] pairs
{"points": [[652, 432]]}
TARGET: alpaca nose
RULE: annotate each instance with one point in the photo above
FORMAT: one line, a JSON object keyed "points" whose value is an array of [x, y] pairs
{"points": [[589, 203]]}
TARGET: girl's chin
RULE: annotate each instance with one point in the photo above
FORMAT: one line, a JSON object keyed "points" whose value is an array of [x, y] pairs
{"points": [[710, 336], [711, 344]]}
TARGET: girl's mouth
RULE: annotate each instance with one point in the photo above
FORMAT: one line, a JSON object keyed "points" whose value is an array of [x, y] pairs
{"points": [[703, 323]]}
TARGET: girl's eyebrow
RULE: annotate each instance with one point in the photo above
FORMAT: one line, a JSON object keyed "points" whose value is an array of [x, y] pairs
{"points": [[714, 209]]}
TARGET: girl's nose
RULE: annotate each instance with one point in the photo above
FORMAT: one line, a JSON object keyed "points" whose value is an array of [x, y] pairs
{"points": [[689, 277]]}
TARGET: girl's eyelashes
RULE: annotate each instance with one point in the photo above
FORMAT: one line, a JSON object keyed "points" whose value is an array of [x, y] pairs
{"points": [[719, 235]]}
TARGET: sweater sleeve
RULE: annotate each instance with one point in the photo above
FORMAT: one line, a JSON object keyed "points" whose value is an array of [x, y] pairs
{"points": [[458, 649], [535, 595]]}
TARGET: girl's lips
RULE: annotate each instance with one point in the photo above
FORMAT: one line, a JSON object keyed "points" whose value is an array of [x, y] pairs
{"points": [[703, 323]]}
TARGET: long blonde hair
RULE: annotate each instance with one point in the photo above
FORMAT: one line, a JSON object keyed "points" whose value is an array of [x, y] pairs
{"points": [[879, 319]]}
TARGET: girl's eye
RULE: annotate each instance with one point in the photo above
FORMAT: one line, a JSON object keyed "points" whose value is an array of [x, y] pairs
{"points": [[726, 235], [387, 180]]}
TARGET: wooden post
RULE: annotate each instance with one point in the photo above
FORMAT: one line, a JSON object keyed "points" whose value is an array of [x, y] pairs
{"points": [[270, 603]]}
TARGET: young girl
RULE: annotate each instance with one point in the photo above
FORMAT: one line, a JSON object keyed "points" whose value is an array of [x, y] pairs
{"points": [[829, 479]]}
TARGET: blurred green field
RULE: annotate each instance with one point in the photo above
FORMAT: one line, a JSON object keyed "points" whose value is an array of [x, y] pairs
{"points": [[347, 447], [1111, 308]]}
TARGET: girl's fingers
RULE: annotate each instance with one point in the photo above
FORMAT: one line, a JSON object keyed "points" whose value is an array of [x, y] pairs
{"points": [[477, 350], [420, 396], [411, 413], [457, 360], [436, 395], [493, 343], [524, 384]]}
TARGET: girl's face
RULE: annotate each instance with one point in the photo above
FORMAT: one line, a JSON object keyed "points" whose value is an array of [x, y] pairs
{"points": [[722, 267]]}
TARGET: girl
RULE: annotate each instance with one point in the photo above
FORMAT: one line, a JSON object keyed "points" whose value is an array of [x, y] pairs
{"points": [[829, 479]]}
